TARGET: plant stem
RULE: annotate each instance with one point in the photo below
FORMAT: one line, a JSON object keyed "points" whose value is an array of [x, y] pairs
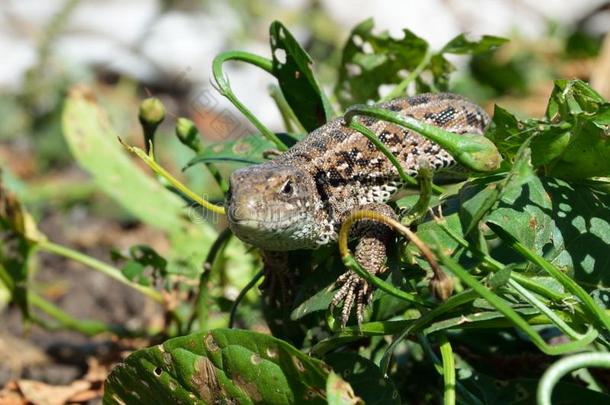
{"points": [[225, 89], [562, 367], [473, 151], [150, 162], [100, 266], [85, 326], [241, 296], [399, 89], [448, 370]]}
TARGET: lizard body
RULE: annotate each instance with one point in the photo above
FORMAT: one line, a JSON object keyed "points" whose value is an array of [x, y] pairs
{"points": [[298, 200]]}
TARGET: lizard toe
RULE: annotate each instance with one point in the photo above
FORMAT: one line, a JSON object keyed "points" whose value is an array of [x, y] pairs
{"points": [[355, 293]]}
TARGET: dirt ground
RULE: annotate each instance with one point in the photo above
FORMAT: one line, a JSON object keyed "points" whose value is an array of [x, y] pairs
{"points": [[75, 364]]}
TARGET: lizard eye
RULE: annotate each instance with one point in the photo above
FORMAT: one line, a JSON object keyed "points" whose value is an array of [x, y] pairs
{"points": [[287, 188]]}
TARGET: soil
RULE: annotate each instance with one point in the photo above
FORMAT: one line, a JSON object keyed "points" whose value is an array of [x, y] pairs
{"points": [[61, 357]]}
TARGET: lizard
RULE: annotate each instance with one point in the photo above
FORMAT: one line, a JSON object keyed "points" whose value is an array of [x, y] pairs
{"points": [[298, 199]]}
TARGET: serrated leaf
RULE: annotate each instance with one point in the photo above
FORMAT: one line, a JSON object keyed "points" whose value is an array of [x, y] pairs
{"points": [[292, 66], [220, 366], [369, 61]]}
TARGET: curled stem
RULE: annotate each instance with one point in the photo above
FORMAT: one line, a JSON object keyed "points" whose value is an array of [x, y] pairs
{"points": [[562, 367], [472, 151], [441, 285], [224, 88]]}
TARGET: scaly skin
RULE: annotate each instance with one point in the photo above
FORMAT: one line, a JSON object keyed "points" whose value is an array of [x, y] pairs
{"points": [[298, 200]]}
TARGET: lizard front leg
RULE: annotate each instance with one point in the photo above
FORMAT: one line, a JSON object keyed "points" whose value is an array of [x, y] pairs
{"points": [[278, 283], [370, 252]]}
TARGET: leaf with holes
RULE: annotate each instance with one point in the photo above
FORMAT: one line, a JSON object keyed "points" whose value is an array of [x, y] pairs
{"points": [[293, 68], [221, 366], [580, 232], [370, 60]]}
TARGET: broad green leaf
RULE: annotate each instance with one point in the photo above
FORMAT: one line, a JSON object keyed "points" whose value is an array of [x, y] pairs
{"points": [[318, 302], [221, 366], [95, 147], [524, 212], [365, 378], [580, 233], [293, 68], [370, 60]]}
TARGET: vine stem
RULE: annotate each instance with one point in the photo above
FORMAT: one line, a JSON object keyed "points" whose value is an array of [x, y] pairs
{"points": [[149, 159], [100, 266], [225, 89], [473, 151], [242, 295], [440, 279], [562, 367]]}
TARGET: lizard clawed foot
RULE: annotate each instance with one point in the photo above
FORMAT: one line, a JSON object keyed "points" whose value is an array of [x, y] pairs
{"points": [[353, 289]]}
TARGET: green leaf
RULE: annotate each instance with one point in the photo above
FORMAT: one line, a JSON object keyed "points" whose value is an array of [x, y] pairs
{"points": [[365, 377], [19, 237], [524, 212], [248, 150], [441, 68], [580, 232], [369, 61], [94, 145], [292, 66], [133, 269], [221, 366], [141, 258], [586, 152], [461, 45], [340, 392]]}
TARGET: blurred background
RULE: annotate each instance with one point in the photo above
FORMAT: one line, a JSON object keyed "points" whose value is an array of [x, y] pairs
{"points": [[125, 51]]}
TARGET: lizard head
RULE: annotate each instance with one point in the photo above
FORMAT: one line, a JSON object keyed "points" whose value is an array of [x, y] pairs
{"points": [[273, 207]]}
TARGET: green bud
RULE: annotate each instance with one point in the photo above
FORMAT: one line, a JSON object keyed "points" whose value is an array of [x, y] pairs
{"points": [[187, 133], [151, 114]]}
